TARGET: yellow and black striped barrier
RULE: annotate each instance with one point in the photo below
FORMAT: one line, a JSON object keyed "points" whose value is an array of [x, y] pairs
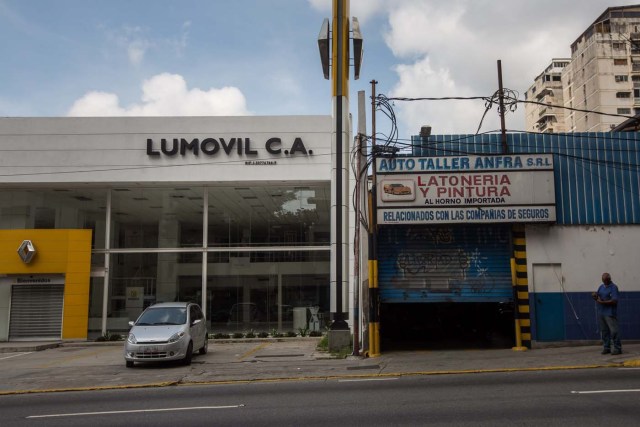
{"points": [[520, 283]]}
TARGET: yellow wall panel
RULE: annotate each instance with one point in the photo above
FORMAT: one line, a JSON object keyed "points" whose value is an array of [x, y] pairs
{"points": [[75, 311], [75, 289], [74, 300], [80, 256], [77, 329], [65, 252], [74, 267], [41, 268]]}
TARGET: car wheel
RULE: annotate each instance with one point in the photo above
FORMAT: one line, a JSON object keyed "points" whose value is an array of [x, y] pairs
{"points": [[205, 346], [129, 364], [187, 357]]}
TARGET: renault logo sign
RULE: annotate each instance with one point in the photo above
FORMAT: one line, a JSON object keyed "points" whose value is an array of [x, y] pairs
{"points": [[26, 251]]}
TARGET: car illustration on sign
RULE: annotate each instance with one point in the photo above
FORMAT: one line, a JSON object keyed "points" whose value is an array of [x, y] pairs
{"points": [[398, 190]]}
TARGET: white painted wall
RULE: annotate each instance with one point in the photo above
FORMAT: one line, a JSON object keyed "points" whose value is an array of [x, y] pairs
{"points": [[114, 149], [585, 252]]}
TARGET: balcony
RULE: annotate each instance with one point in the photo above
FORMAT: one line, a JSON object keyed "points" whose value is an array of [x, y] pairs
{"points": [[544, 92], [546, 121]]}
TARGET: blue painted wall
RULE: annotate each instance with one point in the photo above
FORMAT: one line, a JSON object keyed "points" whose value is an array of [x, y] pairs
{"points": [[572, 316]]}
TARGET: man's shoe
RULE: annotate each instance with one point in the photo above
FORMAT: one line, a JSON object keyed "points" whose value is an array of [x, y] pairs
{"points": [[615, 352], [606, 351]]}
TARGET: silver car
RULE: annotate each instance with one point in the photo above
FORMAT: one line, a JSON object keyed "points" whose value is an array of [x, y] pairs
{"points": [[167, 331]]}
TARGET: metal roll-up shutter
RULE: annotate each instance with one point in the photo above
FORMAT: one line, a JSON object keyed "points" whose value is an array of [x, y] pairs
{"points": [[445, 264], [36, 312]]}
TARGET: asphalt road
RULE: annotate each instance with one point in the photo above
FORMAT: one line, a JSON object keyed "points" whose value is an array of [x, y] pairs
{"points": [[567, 398]]}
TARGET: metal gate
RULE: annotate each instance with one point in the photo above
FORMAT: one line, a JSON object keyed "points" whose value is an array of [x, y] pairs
{"points": [[36, 312], [445, 264]]}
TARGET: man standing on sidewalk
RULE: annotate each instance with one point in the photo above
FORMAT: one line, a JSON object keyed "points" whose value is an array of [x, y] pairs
{"points": [[607, 299]]}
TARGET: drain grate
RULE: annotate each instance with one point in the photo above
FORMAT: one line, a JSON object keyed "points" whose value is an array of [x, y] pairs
{"points": [[357, 368], [278, 355]]}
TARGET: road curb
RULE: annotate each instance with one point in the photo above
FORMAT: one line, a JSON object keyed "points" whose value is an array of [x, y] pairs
{"points": [[318, 378], [93, 388], [29, 348], [634, 363]]}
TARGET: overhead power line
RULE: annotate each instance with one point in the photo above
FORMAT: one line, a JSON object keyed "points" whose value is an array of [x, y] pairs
{"points": [[574, 109], [511, 98]]}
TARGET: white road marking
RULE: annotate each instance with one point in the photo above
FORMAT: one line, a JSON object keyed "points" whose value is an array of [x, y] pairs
{"points": [[637, 390], [366, 379], [15, 355], [133, 411]]}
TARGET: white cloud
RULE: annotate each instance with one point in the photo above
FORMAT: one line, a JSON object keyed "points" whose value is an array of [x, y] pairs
{"points": [[418, 28], [165, 95], [137, 42], [136, 51], [422, 79], [132, 40]]}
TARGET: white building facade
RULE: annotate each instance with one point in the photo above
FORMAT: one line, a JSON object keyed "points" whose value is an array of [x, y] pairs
{"points": [[229, 212]]}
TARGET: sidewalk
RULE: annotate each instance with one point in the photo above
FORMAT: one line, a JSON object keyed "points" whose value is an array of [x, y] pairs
{"points": [[39, 367]]}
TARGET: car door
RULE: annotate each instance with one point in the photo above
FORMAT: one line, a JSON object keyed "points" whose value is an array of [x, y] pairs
{"points": [[203, 324], [196, 330]]}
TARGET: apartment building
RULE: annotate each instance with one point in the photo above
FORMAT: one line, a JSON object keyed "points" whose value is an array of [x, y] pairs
{"points": [[547, 89], [602, 76]]}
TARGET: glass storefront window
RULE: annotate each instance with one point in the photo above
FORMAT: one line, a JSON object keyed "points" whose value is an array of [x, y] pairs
{"points": [[83, 208], [269, 215], [258, 278], [138, 280], [97, 261], [157, 217], [96, 293], [262, 296]]}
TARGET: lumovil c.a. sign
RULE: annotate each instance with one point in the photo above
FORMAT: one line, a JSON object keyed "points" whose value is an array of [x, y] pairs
{"points": [[220, 146]]}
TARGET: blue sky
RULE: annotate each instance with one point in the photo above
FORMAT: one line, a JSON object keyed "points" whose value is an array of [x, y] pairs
{"points": [[260, 57]]}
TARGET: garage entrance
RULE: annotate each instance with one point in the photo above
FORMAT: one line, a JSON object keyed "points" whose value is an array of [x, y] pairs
{"points": [[446, 286], [440, 326]]}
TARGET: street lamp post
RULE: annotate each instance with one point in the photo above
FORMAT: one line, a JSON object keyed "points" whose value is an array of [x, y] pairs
{"points": [[333, 43]]}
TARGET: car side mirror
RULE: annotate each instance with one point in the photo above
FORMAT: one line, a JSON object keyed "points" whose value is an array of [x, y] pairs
{"points": [[131, 322], [195, 322]]}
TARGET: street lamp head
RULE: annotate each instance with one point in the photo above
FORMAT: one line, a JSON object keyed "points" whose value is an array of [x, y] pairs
{"points": [[323, 45], [357, 48]]}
